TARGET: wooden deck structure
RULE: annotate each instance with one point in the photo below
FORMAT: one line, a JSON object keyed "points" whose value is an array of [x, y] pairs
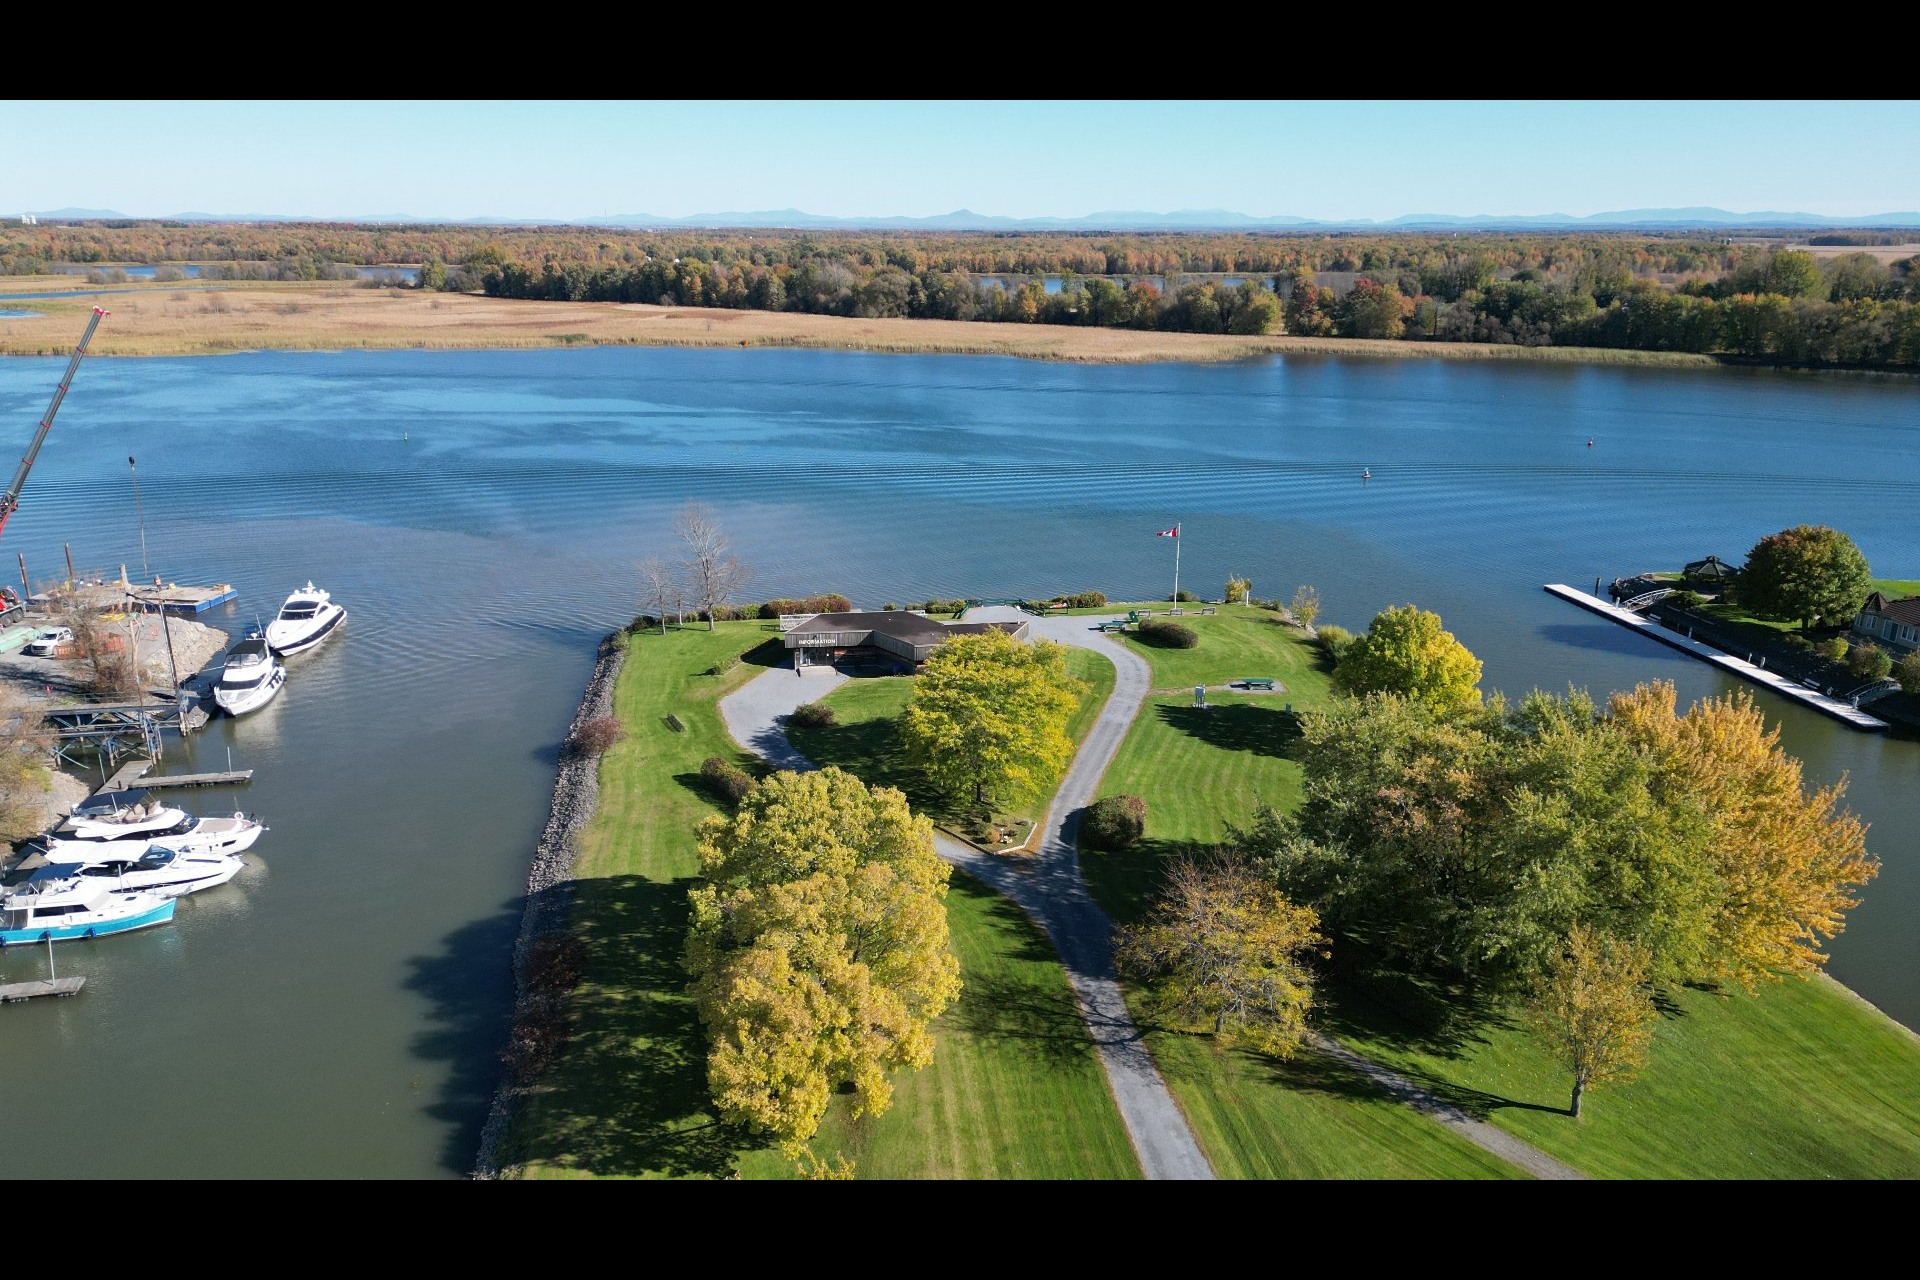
{"points": [[15, 992]]}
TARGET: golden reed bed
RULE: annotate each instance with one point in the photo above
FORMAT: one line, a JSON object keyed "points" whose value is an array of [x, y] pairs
{"points": [[176, 320]]}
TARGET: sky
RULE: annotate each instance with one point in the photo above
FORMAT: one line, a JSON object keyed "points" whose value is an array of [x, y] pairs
{"points": [[575, 160]]}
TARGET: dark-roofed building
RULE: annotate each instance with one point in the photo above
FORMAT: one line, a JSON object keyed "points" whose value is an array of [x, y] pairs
{"points": [[1895, 624], [1713, 570], [900, 639]]}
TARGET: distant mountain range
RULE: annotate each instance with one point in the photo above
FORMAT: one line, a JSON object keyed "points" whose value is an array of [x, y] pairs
{"points": [[1110, 220]]}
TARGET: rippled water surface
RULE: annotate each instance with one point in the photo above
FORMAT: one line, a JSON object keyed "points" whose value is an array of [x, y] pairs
{"points": [[337, 1011]]}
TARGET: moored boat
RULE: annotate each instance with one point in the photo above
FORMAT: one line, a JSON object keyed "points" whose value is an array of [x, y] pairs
{"points": [[189, 835], [77, 907], [308, 617], [251, 677], [171, 873]]}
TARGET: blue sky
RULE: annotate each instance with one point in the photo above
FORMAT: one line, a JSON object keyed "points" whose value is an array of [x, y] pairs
{"points": [[1326, 160]]}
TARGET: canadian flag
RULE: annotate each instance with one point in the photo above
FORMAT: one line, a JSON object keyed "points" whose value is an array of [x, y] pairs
{"points": [[1169, 533]]}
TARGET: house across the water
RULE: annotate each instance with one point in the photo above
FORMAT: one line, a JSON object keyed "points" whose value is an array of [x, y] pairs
{"points": [[894, 640], [1894, 623]]}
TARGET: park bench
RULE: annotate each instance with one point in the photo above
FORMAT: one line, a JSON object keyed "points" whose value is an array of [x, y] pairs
{"points": [[1110, 626], [1176, 613], [1258, 682], [1208, 612]]}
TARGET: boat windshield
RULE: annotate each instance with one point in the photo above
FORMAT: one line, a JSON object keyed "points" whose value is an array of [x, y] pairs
{"points": [[299, 612], [154, 859]]}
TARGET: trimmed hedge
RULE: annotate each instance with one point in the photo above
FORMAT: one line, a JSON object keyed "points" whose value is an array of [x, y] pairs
{"points": [[812, 715], [727, 781], [1168, 635], [1113, 822]]}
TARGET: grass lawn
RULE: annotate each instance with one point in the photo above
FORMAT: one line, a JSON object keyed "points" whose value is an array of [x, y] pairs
{"points": [[627, 1095], [1801, 1080], [1897, 588], [865, 740], [1200, 770]]}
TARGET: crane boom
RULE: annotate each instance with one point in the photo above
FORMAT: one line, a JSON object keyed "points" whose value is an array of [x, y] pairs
{"points": [[10, 500]]}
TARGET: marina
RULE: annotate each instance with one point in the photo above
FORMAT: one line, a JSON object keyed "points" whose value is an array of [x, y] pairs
{"points": [[1840, 709]]}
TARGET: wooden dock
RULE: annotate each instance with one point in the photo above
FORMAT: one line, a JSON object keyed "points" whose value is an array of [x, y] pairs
{"points": [[225, 778], [1838, 708], [15, 992]]}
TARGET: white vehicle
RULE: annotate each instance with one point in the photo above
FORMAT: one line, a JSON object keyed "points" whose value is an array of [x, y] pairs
{"points": [[47, 643], [308, 617], [250, 679]]}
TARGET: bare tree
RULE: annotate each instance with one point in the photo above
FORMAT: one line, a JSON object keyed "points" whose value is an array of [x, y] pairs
{"points": [[104, 651], [26, 747], [713, 571], [659, 588]]}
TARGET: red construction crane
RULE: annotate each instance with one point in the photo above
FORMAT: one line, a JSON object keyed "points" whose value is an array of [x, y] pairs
{"points": [[10, 500]]}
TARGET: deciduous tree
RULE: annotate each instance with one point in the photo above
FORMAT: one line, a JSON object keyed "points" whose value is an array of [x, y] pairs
{"points": [[989, 715], [26, 746], [1809, 574], [1226, 948], [713, 572], [818, 948], [1406, 651], [1305, 606], [1592, 1006]]}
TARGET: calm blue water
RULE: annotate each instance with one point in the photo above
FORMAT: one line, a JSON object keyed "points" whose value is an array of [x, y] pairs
{"points": [[337, 1011]]}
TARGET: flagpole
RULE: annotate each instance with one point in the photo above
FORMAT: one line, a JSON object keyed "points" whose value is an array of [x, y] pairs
{"points": [[1176, 562]]}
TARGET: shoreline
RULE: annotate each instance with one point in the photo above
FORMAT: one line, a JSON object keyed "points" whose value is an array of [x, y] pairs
{"points": [[576, 794], [236, 317]]}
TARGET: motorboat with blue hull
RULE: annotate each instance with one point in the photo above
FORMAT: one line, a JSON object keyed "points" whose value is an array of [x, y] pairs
{"points": [[308, 617], [78, 907], [250, 678]]}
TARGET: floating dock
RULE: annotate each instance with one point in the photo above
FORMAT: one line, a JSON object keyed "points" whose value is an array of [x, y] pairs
{"points": [[1838, 708], [183, 600], [15, 992]]}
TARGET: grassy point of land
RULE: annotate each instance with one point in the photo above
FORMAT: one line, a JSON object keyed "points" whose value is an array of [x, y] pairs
{"points": [[1897, 588], [190, 318], [1015, 1089], [865, 740]]}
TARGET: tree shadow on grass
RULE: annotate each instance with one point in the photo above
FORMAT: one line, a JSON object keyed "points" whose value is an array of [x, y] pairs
{"points": [[627, 1096], [1236, 726], [871, 750], [1044, 1021], [768, 653]]}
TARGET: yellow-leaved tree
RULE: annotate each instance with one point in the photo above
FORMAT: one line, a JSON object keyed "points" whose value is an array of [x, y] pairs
{"points": [[989, 716], [1227, 948], [1787, 861], [818, 949], [1592, 1006]]}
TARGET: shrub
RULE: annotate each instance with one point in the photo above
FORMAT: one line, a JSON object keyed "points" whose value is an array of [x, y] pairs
{"points": [[1869, 662], [618, 641], [1334, 641], [1685, 599], [727, 781], [1087, 600], [1833, 648], [812, 715], [1798, 642], [725, 665], [593, 737], [1185, 597], [1113, 822], [1907, 672], [889, 607], [1168, 635], [830, 603]]}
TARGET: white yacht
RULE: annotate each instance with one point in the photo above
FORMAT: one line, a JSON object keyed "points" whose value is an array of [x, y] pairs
{"points": [[77, 907], [188, 834], [251, 678], [308, 617], [135, 820], [171, 873]]}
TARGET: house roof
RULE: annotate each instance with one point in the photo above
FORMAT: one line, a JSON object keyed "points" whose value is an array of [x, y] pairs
{"points": [[910, 627], [1905, 611]]}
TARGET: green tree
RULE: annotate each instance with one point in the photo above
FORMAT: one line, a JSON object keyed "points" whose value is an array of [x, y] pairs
{"points": [[989, 715], [1809, 574], [433, 274], [1592, 1007], [1227, 949], [1907, 672], [1373, 310], [1794, 274], [1405, 651], [818, 948]]}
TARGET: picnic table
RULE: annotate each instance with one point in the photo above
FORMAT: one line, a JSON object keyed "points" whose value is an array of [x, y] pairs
{"points": [[1257, 682], [1115, 625]]}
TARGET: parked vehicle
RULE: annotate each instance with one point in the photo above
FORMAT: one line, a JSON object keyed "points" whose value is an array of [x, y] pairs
{"points": [[47, 643]]}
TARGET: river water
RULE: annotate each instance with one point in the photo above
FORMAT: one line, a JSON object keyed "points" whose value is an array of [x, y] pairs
{"points": [[337, 1010]]}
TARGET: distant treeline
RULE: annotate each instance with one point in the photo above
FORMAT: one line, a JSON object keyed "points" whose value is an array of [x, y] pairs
{"points": [[1635, 291]]}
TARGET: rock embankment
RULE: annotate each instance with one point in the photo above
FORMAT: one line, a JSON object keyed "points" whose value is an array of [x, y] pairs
{"points": [[576, 791]]}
